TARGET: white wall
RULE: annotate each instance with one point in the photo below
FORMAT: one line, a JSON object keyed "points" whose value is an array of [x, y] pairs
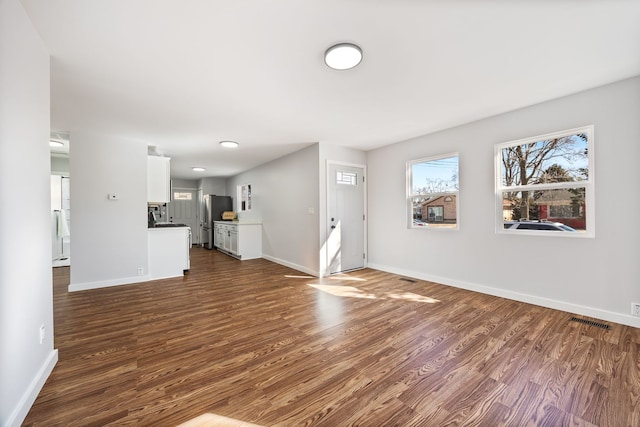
{"points": [[597, 277], [109, 237], [215, 186], [282, 193], [184, 184], [26, 300]]}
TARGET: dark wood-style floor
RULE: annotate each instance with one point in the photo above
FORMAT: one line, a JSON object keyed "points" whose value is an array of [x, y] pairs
{"points": [[258, 342]]}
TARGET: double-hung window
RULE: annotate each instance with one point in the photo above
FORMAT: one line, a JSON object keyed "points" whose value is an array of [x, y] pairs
{"points": [[544, 184], [432, 192]]}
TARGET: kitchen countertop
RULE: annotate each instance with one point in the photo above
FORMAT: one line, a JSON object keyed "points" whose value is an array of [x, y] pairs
{"points": [[167, 226]]}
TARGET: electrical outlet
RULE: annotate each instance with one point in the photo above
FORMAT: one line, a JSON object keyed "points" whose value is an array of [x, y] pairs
{"points": [[140, 271], [635, 309], [42, 333]]}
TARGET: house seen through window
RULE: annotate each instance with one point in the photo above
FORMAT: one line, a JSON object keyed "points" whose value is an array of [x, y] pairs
{"points": [[432, 192], [545, 184]]}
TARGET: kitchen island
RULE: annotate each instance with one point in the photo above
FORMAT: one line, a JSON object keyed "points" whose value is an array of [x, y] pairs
{"points": [[241, 240], [168, 248]]}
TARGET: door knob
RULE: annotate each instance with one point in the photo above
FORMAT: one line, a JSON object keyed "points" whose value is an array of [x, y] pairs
{"points": [[333, 226]]}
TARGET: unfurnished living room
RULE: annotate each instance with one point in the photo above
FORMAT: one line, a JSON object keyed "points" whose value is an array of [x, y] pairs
{"points": [[320, 213]]}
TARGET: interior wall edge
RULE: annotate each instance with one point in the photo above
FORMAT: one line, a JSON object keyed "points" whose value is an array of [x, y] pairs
{"points": [[292, 265], [85, 286], [29, 397]]}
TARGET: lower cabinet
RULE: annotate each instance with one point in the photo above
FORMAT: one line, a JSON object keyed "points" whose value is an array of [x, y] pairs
{"points": [[218, 236], [242, 241], [168, 251]]}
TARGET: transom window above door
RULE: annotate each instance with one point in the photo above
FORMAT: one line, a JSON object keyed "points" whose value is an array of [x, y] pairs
{"points": [[179, 195]]}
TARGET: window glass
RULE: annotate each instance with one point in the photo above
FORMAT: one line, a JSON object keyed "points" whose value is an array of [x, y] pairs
{"points": [[178, 195], [546, 179], [346, 178], [432, 189]]}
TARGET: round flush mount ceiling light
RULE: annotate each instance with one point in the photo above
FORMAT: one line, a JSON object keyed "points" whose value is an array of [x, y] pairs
{"points": [[229, 144], [197, 169], [343, 56]]}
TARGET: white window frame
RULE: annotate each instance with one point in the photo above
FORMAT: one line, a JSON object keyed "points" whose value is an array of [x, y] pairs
{"points": [[411, 195], [587, 184]]}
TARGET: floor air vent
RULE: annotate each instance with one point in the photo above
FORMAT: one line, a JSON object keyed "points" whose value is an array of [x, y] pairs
{"points": [[590, 323], [407, 280]]}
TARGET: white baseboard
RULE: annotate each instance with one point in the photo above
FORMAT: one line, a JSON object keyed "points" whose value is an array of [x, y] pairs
{"points": [[291, 265], [106, 283], [517, 296], [24, 405]]}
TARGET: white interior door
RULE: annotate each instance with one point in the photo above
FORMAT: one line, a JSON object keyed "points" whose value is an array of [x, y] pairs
{"points": [[346, 220], [183, 209]]}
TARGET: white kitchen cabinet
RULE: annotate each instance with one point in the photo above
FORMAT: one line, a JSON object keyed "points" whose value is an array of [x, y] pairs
{"points": [[240, 240], [158, 179], [169, 251], [218, 236]]}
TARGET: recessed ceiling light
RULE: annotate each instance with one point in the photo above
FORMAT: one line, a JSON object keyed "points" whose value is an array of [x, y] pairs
{"points": [[229, 144], [343, 56], [53, 143], [197, 169]]}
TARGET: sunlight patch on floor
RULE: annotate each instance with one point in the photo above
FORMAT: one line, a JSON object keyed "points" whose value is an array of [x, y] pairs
{"points": [[410, 296], [339, 277], [353, 292], [213, 420], [346, 278], [343, 291]]}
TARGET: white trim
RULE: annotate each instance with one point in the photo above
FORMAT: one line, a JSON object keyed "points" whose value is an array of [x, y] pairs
{"points": [[517, 296], [29, 397], [551, 135], [325, 268], [292, 265], [112, 282]]}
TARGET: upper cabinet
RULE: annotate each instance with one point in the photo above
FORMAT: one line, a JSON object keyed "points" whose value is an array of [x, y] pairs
{"points": [[158, 179]]}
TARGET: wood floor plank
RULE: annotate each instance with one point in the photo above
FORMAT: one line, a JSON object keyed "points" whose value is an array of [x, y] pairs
{"points": [[258, 342]]}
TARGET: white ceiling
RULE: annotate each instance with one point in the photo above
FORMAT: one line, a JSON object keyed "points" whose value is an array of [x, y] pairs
{"points": [[183, 75]]}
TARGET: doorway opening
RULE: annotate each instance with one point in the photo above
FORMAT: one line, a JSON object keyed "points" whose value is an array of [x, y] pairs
{"points": [[346, 217], [60, 200]]}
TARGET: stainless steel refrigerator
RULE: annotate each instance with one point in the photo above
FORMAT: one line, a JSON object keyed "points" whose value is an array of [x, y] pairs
{"points": [[213, 208]]}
